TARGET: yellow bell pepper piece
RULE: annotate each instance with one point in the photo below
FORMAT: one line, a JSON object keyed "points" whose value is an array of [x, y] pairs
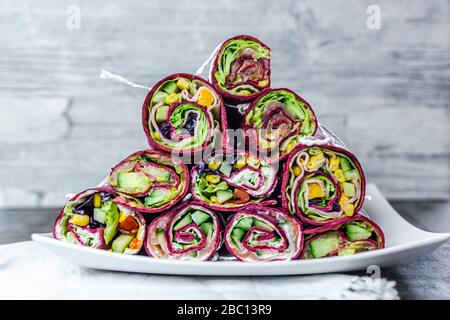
{"points": [[349, 210], [297, 170], [81, 220], [339, 175], [183, 84], [212, 178], [334, 163], [122, 217], [205, 98], [97, 200], [315, 191], [172, 98]]}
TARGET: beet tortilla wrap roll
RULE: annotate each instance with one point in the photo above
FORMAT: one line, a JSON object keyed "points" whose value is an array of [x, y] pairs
{"points": [[150, 181], [93, 219], [183, 112], [259, 233], [346, 237], [228, 182], [188, 232], [277, 120], [241, 69], [322, 184]]}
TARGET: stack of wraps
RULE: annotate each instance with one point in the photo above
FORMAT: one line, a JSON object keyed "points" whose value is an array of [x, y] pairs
{"points": [[281, 194]]}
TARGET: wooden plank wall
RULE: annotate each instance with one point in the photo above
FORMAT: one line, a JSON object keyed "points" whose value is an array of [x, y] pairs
{"points": [[386, 92]]}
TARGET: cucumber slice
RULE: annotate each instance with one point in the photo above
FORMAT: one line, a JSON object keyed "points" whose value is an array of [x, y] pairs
{"points": [[350, 175], [187, 219], [245, 223], [170, 87], [160, 235], [121, 243], [207, 228], [112, 221], [237, 234], [355, 232], [261, 224], [224, 195], [132, 182], [322, 246], [199, 217], [349, 189], [225, 168], [99, 215], [156, 196], [159, 97], [161, 114], [345, 164]]}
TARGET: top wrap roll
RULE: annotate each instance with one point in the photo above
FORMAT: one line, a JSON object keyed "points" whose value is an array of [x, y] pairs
{"points": [[183, 112], [277, 120], [322, 184], [150, 181], [241, 68]]}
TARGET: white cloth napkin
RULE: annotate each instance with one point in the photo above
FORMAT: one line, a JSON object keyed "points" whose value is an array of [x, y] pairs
{"points": [[28, 271]]}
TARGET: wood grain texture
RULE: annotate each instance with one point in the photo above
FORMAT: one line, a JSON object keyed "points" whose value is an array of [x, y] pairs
{"points": [[386, 92]]}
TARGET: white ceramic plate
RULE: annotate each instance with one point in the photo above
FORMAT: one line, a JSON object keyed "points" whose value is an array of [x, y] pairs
{"points": [[404, 243]]}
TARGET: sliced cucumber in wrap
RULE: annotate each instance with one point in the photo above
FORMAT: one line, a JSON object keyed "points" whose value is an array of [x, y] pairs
{"points": [[187, 232], [93, 219], [322, 184], [340, 238], [241, 68], [228, 182], [149, 181], [184, 113], [277, 120], [260, 233]]}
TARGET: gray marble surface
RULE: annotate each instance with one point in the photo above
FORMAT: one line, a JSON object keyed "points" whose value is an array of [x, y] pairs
{"points": [[385, 92]]}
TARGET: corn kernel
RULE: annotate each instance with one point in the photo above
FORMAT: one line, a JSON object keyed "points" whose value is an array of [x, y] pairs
{"points": [[339, 175], [183, 84], [172, 98], [205, 98], [81, 220], [97, 200], [342, 200], [349, 210], [212, 178], [213, 199], [297, 170], [263, 83], [157, 136], [122, 217], [241, 162], [334, 163], [214, 165], [253, 162]]}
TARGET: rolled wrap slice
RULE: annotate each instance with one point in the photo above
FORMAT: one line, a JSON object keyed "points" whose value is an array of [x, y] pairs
{"points": [[260, 233], [92, 219], [183, 112], [149, 181], [346, 237], [232, 181], [322, 184], [188, 232], [241, 69], [277, 120]]}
